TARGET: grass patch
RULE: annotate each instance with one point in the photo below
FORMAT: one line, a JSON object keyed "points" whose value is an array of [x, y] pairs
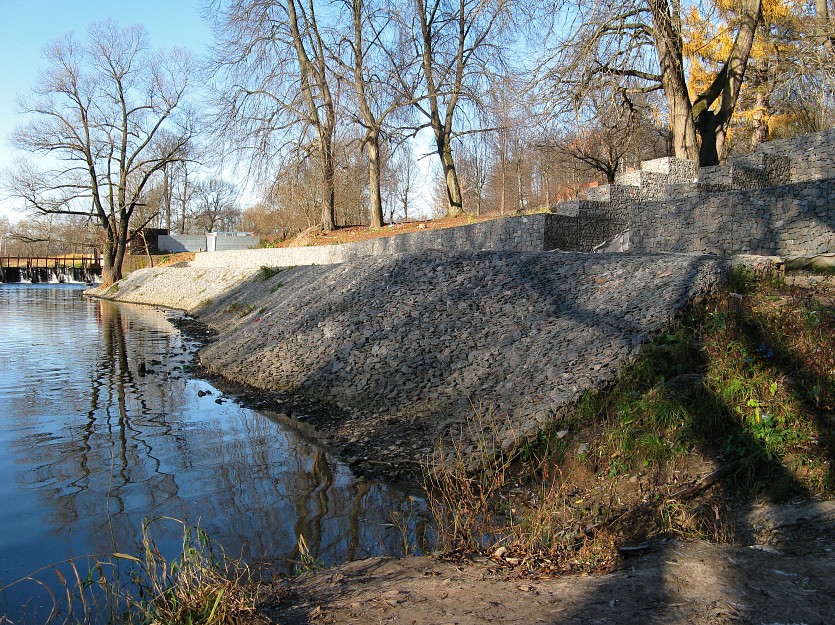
{"points": [[745, 383], [238, 308], [265, 273]]}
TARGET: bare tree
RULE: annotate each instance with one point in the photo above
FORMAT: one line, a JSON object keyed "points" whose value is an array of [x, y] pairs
{"points": [[99, 112], [216, 205], [275, 74], [606, 132], [351, 181], [476, 165], [458, 44], [402, 173], [295, 193], [506, 115], [373, 61]]}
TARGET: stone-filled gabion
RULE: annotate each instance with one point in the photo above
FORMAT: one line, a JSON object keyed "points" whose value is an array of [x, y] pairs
{"points": [[437, 337]]}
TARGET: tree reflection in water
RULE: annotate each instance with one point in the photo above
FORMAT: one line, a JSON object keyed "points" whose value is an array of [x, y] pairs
{"points": [[122, 433]]}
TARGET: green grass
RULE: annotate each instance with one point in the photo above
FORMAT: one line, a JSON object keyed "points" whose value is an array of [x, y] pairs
{"points": [[265, 273], [745, 381], [240, 309]]}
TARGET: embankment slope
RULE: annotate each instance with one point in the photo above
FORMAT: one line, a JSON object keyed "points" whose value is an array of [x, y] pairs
{"points": [[411, 346]]}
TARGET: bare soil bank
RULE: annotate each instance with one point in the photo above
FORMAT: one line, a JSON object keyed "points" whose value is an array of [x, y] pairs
{"points": [[790, 580]]}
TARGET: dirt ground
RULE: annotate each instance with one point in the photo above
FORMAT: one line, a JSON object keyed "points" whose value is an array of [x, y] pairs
{"points": [[785, 575]]}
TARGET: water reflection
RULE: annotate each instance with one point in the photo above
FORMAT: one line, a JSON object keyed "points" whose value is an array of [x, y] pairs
{"points": [[100, 427]]}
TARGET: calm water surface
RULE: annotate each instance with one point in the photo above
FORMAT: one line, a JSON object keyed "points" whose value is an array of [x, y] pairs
{"points": [[89, 447]]}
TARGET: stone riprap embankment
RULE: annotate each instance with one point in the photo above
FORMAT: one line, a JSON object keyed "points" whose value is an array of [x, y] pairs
{"points": [[178, 286], [414, 345]]}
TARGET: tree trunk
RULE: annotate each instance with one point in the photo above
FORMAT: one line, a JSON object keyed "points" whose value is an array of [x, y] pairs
{"points": [[114, 255], [375, 199], [453, 188], [668, 43], [503, 203], [826, 29], [713, 126], [519, 187], [315, 96], [760, 121], [144, 236], [329, 190], [184, 203], [166, 198], [709, 127]]}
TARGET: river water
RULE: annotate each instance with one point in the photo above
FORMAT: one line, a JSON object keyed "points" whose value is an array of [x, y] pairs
{"points": [[91, 445]]}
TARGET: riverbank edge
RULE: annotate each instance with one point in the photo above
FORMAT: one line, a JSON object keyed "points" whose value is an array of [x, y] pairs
{"points": [[257, 311], [346, 591]]}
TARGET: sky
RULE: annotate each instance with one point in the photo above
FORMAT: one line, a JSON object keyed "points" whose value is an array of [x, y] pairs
{"points": [[26, 26]]}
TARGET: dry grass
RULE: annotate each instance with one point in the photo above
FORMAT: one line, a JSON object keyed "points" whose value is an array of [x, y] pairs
{"points": [[199, 587], [352, 234], [742, 391]]}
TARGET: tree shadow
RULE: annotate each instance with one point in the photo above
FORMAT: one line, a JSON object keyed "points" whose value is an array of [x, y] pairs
{"points": [[362, 332], [760, 582], [428, 337]]}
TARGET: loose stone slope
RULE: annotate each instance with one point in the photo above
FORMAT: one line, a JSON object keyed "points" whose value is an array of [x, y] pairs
{"points": [[420, 341], [182, 287]]}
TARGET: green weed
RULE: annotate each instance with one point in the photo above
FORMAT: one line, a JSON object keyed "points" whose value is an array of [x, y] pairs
{"points": [[242, 310], [745, 382], [307, 562], [265, 273]]}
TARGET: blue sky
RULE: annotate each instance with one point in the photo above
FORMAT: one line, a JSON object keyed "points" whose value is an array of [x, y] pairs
{"points": [[26, 26]]}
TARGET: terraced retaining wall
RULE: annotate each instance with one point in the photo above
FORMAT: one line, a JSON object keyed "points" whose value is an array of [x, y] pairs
{"points": [[789, 220], [780, 200], [528, 233]]}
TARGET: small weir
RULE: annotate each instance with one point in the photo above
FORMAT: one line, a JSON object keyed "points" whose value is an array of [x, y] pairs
{"points": [[58, 269]]}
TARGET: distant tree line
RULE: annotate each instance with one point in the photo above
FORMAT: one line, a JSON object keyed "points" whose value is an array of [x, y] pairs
{"points": [[336, 109]]}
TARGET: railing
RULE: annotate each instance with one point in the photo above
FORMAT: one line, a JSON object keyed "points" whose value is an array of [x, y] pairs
{"points": [[75, 261], [39, 268]]}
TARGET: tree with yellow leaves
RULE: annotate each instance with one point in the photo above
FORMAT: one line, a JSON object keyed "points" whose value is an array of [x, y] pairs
{"points": [[780, 56], [640, 43], [708, 39]]}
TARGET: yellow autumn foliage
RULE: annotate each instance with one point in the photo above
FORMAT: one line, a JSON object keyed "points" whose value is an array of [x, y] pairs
{"points": [[709, 38]]}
